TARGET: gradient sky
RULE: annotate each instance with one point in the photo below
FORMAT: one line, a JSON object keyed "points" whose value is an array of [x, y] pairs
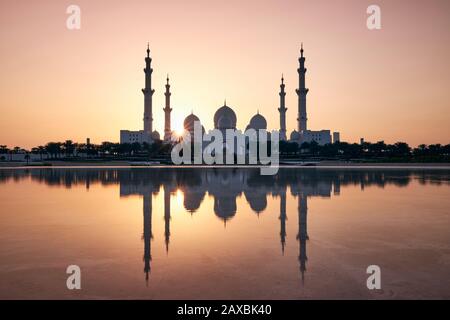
{"points": [[57, 84]]}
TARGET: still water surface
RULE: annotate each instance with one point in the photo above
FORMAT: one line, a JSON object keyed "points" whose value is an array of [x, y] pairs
{"points": [[224, 233]]}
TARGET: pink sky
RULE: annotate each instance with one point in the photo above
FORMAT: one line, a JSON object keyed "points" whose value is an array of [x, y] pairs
{"points": [[391, 84]]}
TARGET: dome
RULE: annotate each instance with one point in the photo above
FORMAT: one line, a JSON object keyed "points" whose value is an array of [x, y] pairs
{"points": [[257, 122], [225, 116], [295, 135], [225, 122], [189, 122], [155, 135]]}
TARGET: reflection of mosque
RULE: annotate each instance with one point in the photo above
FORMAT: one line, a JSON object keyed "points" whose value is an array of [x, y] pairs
{"points": [[225, 185]]}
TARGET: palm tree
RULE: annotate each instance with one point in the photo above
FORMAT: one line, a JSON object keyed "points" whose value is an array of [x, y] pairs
{"points": [[81, 148], [135, 147], [69, 147], [41, 150], [53, 148]]}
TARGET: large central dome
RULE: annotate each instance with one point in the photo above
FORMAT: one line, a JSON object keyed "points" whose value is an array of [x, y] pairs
{"points": [[225, 118]]}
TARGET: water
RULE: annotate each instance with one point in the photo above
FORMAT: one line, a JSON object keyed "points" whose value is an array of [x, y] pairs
{"points": [[224, 233]]}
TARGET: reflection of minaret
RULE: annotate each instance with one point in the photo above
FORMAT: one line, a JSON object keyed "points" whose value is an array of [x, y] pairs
{"points": [[302, 232], [147, 233], [148, 93], [283, 219], [167, 109], [301, 92], [282, 109], [167, 217]]}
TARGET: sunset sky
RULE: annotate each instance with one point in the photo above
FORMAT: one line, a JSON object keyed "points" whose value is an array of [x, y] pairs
{"points": [[390, 84]]}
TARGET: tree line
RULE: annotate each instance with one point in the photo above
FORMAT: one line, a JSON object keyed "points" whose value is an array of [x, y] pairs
{"points": [[379, 151], [70, 149]]}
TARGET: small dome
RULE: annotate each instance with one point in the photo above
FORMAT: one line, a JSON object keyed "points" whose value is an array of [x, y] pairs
{"points": [[189, 121], [295, 135], [155, 135], [257, 122], [226, 116]]}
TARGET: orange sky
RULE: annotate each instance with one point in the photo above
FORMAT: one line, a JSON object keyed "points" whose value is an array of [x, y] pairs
{"points": [[57, 84]]}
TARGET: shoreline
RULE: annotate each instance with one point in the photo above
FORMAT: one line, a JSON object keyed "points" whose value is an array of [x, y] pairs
{"points": [[141, 164]]}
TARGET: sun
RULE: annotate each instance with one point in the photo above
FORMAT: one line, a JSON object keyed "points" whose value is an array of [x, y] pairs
{"points": [[178, 127], [179, 132]]}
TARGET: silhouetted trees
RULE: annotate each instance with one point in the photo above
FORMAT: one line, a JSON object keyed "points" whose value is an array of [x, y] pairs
{"points": [[53, 149], [288, 148], [378, 152], [69, 148]]}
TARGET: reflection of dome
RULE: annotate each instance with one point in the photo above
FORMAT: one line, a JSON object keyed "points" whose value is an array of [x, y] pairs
{"points": [[192, 200], [225, 207], [295, 135], [188, 123], [225, 118], [257, 122], [258, 202], [155, 135]]}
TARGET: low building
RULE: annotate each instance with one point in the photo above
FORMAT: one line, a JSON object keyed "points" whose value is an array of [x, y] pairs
{"points": [[127, 136], [336, 137], [322, 137]]}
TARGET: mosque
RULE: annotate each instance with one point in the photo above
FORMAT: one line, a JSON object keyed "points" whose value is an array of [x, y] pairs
{"points": [[225, 117]]}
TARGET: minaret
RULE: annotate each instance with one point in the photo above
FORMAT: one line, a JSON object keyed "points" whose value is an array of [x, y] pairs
{"points": [[282, 109], [148, 93], [167, 109], [301, 92]]}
